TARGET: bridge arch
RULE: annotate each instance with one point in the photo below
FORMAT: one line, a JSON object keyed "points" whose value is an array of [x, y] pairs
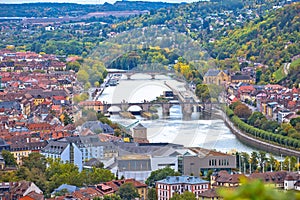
{"points": [[134, 108], [114, 109]]}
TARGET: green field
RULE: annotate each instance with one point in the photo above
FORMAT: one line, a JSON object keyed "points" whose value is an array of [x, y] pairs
{"points": [[279, 74]]}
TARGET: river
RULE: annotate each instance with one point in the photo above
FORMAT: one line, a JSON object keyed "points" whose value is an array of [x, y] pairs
{"points": [[197, 132]]}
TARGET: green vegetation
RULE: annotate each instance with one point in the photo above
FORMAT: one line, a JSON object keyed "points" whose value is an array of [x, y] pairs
{"points": [[272, 40], [283, 136], [72, 9], [294, 74], [127, 191], [208, 92], [159, 175], [152, 194], [50, 174], [255, 190], [184, 196], [279, 75], [91, 72], [8, 158]]}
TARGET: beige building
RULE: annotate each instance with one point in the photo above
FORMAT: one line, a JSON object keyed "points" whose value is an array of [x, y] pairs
{"points": [[217, 77], [92, 105], [140, 133]]}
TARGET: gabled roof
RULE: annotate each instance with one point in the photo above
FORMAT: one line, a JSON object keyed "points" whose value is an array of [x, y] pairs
{"points": [[212, 72], [139, 127]]}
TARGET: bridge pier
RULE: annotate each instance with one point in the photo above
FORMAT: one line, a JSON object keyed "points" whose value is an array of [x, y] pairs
{"points": [[128, 76], [146, 107], [105, 107], [124, 106], [152, 76], [187, 110], [166, 109]]}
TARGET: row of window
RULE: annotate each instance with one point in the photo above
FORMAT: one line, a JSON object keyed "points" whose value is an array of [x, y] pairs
{"points": [[221, 162]]}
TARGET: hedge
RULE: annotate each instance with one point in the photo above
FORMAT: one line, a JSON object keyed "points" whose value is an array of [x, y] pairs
{"points": [[281, 140]]}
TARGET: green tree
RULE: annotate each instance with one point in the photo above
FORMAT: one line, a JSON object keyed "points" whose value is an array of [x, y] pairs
{"points": [[203, 93], [159, 175], [35, 160], [9, 158], [152, 194], [111, 197], [75, 66], [127, 191], [67, 119], [255, 190], [262, 159], [82, 76], [255, 116], [254, 161], [242, 111], [184, 196], [294, 121]]}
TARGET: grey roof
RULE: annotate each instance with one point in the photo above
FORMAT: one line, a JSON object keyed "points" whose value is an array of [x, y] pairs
{"points": [[182, 180], [27, 146], [83, 141], [212, 72], [155, 149], [10, 105], [55, 147], [139, 126], [96, 125], [44, 93], [240, 77], [2, 142]]}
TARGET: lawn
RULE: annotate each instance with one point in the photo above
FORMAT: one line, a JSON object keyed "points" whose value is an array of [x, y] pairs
{"points": [[279, 74]]}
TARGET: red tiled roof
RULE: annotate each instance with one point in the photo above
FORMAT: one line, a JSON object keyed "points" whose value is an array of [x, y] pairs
{"points": [[39, 126], [246, 88], [90, 103], [59, 98], [291, 104], [56, 107], [26, 198], [86, 193]]}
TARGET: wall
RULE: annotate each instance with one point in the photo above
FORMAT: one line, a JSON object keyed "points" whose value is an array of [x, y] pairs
{"points": [[261, 145]]}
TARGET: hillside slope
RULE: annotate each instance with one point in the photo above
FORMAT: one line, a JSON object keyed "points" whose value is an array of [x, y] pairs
{"points": [[271, 40]]}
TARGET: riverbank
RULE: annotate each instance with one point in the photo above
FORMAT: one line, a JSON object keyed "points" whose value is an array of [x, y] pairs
{"points": [[258, 144]]}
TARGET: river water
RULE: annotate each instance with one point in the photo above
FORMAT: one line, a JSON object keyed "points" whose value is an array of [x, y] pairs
{"points": [[197, 132]]}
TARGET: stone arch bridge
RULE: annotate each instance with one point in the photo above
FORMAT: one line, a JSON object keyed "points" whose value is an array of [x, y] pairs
{"points": [[129, 73], [187, 107]]}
